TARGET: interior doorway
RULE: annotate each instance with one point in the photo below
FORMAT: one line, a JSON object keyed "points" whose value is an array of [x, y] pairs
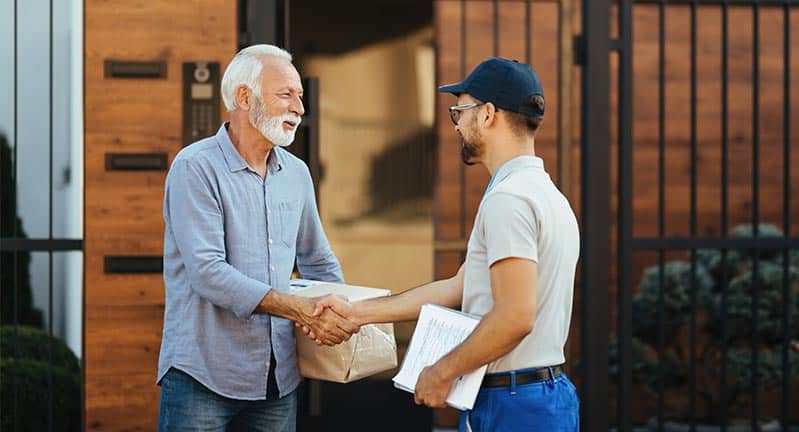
{"points": [[375, 66]]}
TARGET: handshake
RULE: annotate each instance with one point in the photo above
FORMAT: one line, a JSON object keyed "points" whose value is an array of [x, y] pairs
{"points": [[328, 320]]}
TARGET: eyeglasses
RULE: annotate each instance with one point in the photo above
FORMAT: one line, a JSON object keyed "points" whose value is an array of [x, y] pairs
{"points": [[455, 111]]}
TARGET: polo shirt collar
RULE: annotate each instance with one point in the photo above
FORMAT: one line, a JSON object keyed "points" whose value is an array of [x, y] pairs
{"points": [[516, 164]]}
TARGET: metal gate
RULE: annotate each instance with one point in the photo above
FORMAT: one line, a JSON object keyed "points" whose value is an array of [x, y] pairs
{"points": [[715, 316], [41, 245]]}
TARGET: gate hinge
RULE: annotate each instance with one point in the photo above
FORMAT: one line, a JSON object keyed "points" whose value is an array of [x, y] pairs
{"points": [[579, 48]]}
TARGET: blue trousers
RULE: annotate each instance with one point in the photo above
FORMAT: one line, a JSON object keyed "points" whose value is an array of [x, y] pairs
{"points": [[550, 406], [187, 405]]}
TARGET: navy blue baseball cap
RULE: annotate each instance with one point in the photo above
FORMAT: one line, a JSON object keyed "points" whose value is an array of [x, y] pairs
{"points": [[505, 83]]}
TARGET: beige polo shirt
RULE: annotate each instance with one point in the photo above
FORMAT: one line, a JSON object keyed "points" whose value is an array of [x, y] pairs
{"points": [[524, 215]]}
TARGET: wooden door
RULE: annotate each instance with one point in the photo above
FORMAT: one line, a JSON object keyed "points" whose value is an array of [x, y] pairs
{"points": [[138, 115]]}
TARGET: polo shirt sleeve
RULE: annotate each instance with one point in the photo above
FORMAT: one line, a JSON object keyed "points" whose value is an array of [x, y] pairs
{"points": [[510, 228]]}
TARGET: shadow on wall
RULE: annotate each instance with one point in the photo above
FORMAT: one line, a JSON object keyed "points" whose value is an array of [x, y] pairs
{"points": [[401, 181], [402, 178]]}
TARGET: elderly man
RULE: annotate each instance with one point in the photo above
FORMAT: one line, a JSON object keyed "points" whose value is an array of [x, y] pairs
{"points": [[519, 269], [238, 210]]}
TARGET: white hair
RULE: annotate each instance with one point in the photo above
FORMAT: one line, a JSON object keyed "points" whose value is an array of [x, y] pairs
{"points": [[245, 69]]}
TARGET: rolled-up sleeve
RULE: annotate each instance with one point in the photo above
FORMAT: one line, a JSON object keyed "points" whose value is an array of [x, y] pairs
{"points": [[194, 214]]}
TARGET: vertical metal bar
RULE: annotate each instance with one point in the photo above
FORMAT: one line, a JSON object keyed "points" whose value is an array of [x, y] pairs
{"points": [[50, 235], [496, 28], [786, 208], [462, 167], [15, 339], [565, 89], [311, 86], [51, 390], [528, 32], [693, 205], [565, 102], [241, 24], [755, 200], [661, 203], [625, 215], [724, 204], [595, 126]]}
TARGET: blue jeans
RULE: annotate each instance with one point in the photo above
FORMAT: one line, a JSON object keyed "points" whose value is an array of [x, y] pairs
{"points": [[187, 405], [550, 406]]}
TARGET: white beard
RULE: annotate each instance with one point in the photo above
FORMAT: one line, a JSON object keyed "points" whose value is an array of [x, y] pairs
{"points": [[272, 127]]}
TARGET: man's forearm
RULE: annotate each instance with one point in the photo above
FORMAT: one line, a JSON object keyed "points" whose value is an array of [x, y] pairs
{"points": [[406, 306], [513, 286], [328, 328], [497, 334], [283, 305]]}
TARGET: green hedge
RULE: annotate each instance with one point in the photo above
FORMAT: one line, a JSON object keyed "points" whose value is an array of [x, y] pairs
{"points": [[32, 374], [717, 279], [15, 284]]}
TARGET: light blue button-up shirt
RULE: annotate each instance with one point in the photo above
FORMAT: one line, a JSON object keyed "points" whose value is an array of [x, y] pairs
{"points": [[230, 238]]}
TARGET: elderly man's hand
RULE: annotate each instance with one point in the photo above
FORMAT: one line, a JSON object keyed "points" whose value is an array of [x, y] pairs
{"points": [[326, 325]]}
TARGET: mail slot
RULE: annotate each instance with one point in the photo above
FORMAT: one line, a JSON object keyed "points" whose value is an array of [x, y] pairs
{"points": [[135, 69], [134, 264], [136, 161]]}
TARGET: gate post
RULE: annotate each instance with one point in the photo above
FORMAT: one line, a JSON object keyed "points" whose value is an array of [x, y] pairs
{"points": [[595, 193]]}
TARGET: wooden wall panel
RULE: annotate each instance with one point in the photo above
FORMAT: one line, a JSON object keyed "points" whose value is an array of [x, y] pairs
{"points": [[709, 119], [124, 312], [479, 46]]}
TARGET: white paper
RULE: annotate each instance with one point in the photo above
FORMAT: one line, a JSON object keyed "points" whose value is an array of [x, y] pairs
{"points": [[438, 331]]}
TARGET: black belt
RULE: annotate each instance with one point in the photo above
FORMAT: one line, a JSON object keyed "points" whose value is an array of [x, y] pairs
{"points": [[538, 375]]}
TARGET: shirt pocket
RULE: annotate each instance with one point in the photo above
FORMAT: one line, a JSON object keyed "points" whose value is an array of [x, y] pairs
{"points": [[289, 211]]}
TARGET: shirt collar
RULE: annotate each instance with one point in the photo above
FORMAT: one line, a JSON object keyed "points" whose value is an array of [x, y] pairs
{"points": [[275, 161], [515, 164], [233, 158]]}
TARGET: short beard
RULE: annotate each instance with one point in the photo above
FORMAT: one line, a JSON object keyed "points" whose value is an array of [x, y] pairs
{"points": [[468, 153], [471, 149], [272, 127]]}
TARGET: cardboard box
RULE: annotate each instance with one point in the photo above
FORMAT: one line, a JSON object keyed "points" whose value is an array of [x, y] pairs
{"points": [[370, 351]]}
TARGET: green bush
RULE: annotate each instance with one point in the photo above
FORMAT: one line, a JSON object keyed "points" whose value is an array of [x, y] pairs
{"points": [[769, 305], [14, 276], [715, 275], [35, 344], [676, 300], [41, 361]]}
